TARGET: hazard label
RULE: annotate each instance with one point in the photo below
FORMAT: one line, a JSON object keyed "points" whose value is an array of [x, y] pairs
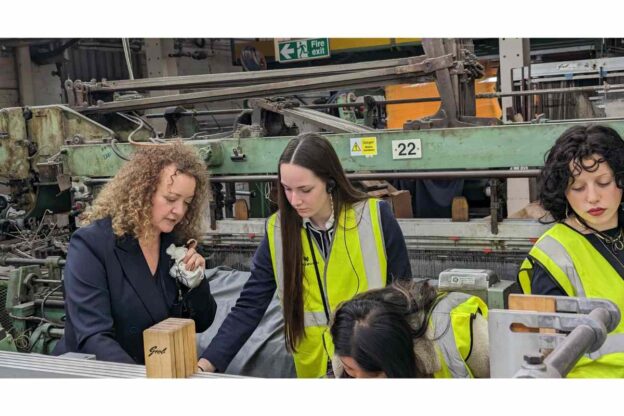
{"points": [[364, 146]]}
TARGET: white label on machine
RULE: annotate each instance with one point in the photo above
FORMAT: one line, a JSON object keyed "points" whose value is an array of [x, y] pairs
{"points": [[460, 281], [406, 149]]}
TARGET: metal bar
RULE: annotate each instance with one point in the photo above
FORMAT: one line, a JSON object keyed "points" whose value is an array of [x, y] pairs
{"points": [[376, 76], [23, 365], [529, 173], [222, 80], [325, 121], [50, 302], [416, 100], [605, 87], [49, 281], [18, 261], [504, 147]]}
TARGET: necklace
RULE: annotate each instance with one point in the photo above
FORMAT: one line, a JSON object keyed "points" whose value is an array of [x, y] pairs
{"points": [[611, 252], [617, 242]]}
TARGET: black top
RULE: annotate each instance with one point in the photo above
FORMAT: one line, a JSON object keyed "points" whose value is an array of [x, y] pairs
{"points": [[543, 283], [259, 289], [111, 296]]}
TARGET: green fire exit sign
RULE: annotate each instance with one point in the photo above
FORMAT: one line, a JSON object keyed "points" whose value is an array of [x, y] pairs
{"points": [[301, 49]]}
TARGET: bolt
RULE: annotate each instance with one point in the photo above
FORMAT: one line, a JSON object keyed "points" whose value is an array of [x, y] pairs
{"points": [[534, 358]]}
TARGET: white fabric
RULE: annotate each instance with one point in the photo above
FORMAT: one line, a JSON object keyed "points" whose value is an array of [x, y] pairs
{"points": [[178, 270]]}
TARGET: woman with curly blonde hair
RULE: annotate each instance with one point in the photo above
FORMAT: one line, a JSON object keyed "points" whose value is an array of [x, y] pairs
{"points": [[119, 277]]}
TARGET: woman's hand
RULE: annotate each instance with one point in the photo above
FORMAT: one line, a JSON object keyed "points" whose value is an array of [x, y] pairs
{"points": [[193, 259], [205, 366]]}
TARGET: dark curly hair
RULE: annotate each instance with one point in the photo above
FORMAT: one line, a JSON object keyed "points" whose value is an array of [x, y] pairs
{"points": [[574, 145]]}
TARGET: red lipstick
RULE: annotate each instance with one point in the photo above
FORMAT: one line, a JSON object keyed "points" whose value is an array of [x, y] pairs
{"points": [[596, 211]]}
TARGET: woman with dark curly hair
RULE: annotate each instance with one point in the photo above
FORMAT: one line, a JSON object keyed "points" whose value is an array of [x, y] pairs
{"points": [[583, 253], [410, 330], [118, 279]]}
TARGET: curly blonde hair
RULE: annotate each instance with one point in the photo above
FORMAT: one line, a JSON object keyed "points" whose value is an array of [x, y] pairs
{"points": [[127, 198]]}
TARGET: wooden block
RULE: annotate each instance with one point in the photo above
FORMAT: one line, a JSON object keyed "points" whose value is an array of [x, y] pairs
{"points": [[170, 349], [459, 209], [401, 204], [241, 210], [190, 345], [178, 356], [537, 303], [374, 185], [159, 354]]}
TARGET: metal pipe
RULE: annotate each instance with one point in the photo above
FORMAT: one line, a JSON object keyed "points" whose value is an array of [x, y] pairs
{"points": [[49, 281], [451, 174], [606, 87], [18, 261], [566, 355], [529, 173], [50, 302], [578, 342], [229, 79], [384, 76], [312, 106]]}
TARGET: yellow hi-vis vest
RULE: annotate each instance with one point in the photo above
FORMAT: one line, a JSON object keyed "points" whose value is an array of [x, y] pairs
{"points": [[451, 320], [581, 271], [356, 263]]}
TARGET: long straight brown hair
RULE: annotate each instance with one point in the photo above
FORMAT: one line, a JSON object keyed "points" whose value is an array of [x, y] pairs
{"points": [[314, 152]]}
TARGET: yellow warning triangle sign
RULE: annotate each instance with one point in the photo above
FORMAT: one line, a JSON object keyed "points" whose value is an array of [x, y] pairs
{"points": [[356, 148]]}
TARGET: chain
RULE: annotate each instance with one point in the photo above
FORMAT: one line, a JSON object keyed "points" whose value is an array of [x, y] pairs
{"points": [[617, 242], [612, 252]]}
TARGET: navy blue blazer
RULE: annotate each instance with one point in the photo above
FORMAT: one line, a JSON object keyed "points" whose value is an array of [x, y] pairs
{"points": [[111, 296]]}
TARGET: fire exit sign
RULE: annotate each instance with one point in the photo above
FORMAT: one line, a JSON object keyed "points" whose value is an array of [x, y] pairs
{"points": [[301, 49]]}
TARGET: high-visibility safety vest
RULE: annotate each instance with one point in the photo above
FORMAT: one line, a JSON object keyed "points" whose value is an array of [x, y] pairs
{"points": [[356, 263], [451, 321], [581, 271]]}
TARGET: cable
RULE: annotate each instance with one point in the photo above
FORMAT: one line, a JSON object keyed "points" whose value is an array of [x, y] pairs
{"points": [[344, 235], [126, 48], [113, 144], [45, 298], [318, 277], [141, 123]]}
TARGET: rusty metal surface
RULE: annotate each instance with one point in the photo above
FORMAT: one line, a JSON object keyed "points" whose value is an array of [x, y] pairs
{"points": [[13, 147], [222, 80], [377, 77]]}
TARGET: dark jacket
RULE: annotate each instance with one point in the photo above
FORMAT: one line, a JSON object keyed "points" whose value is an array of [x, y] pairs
{"points": [[111, 296], [259, 289]]}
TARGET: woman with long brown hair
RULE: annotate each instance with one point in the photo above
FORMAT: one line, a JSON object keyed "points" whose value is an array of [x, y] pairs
{"points": [[327, 243]]}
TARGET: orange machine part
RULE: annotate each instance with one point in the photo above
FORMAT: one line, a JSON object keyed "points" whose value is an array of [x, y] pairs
{"points": [[398, 114]]}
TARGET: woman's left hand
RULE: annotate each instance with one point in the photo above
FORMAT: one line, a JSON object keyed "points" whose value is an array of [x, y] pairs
{"points": [[193, 259]]}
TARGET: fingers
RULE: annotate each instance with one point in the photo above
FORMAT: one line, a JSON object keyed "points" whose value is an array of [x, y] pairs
{"points": [[205, 366], [189, 254], [194, 261]]}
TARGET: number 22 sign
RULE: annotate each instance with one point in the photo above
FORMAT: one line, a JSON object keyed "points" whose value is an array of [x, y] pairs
{"points": [[406, 149]]}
